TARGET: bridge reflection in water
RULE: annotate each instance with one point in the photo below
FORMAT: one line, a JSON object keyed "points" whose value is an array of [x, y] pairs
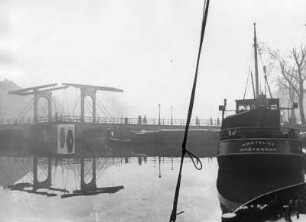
{"points": [[51, 176], [149, 184]]}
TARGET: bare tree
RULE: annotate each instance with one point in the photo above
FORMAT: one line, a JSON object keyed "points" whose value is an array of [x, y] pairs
{"points": [[299, 77], [286, 91], [293, 71]]}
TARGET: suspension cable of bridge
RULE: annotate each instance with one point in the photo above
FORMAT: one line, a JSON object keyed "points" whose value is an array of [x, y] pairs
{"points": [[27, 171], [26, 109], [54, 103], [43, 109], [74, 170], [103, 109], [75, 104]]}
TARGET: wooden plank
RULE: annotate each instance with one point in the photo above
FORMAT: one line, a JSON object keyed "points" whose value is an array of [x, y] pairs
{"points": [[102, 88], [20, 91]]}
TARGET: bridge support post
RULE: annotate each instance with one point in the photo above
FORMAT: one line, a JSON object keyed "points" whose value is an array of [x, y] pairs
{"points": [[92, 185], [92, 94], [91, 91], [94, 174], [35, 180], [82, 174], [49, 170], [46, 183], [48, 97]]}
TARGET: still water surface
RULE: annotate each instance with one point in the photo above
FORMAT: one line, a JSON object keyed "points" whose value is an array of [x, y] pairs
{"points": [[147, 195]]}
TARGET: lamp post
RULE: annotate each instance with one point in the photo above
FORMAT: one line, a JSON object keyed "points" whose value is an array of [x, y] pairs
{"points": [[159, 168], [159, 114]]}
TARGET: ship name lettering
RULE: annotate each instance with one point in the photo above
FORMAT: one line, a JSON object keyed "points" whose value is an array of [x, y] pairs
{"points": [[258, 149], [260, 142]]}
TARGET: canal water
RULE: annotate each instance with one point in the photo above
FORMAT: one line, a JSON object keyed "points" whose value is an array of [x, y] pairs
{"points": [[148, 192]]}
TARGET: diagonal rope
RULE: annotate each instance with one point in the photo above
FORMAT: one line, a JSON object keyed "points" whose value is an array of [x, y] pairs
{"points": [[249, 73], [103, 109], [254, 95], [26, 109], [88, 106], [265, 73], [54, 104], [184, 150], [246, 86]]}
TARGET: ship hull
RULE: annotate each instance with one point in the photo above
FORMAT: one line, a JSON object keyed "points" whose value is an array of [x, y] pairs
{"points": [[242, 177]]}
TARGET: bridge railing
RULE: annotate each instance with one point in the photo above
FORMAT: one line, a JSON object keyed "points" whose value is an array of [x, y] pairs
{"points": [[113, 120], [153, 121], [14, 121]]}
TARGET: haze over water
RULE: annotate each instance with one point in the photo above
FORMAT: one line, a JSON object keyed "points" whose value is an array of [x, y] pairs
{"points": [[147, 48]]}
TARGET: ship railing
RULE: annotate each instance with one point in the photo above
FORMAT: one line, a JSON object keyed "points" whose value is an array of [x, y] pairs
{"points": [[259, 132]]}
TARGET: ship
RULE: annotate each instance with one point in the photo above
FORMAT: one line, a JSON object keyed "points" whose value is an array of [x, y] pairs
{"points": [[256, 153]]}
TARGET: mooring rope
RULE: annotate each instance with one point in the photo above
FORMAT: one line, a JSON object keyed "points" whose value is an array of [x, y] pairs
{"points": [[184, 150]]}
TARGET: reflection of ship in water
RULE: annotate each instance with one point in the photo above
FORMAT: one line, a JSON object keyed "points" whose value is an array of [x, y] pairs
{"points": [[256, 154]]}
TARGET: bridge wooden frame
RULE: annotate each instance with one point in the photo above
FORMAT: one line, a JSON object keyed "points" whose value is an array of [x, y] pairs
{"points": [[85, 188], [45, 91], [90, 91]]}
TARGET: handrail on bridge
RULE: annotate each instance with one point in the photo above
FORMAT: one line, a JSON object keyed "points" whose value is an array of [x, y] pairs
{"points": [[113, 121]]}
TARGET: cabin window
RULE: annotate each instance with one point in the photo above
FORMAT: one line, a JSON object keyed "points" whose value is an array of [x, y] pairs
{"points": [[232, 132], [284, 131], [273, 106], [242, 108]]}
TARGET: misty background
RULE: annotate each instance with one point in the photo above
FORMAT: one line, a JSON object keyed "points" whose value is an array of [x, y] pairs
{"points": [[147, 48]]}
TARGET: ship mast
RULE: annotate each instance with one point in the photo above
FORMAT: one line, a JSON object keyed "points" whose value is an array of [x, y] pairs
{"points": [[256, 64]]}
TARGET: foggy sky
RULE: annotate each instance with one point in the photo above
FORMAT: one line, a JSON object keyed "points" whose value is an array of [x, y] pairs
{"points": [[148, 48]]}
